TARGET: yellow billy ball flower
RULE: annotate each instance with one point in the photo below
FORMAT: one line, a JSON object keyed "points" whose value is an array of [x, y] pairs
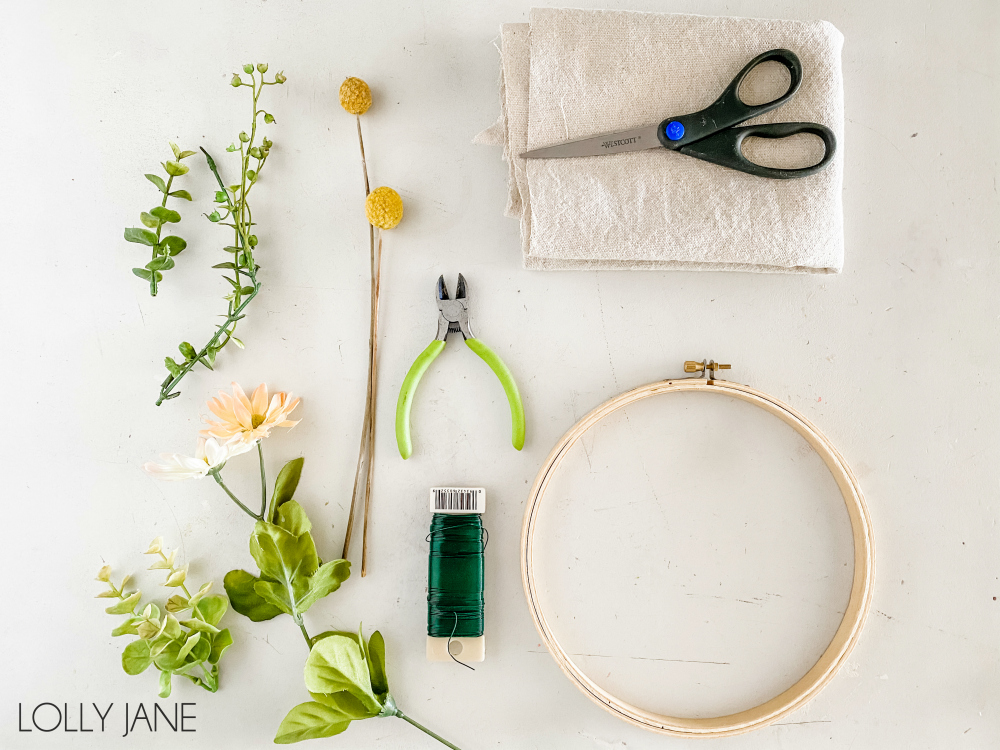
{"points": [[384, 208], [355, 96]]}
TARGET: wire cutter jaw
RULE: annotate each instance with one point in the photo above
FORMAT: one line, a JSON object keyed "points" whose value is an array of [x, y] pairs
{"points": [[453, 314]]}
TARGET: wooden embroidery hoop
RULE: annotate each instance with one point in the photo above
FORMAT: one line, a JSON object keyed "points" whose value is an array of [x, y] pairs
{"points": [[847, 633]]}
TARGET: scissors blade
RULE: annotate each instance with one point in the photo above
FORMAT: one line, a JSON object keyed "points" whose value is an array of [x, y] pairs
{"points": [[638, 139]]}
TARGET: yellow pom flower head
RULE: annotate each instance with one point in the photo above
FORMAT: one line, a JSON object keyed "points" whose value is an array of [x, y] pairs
{"points": [[355, 96], [384, 208]]}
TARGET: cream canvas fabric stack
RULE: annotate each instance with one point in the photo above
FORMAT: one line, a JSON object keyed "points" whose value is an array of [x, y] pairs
{"points": [[572, 74]]}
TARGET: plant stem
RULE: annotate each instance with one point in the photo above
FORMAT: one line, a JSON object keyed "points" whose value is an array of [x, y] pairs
{"points": [[263, 481], [425, 730], [218, 478], [171, 382], [366, 426], [302, 627], [373, 390], [159, 229]]}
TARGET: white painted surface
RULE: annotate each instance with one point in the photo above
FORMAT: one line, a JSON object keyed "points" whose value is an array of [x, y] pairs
{"points": [[893, 361]]}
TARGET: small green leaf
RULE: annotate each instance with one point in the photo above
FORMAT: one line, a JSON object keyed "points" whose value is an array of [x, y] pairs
{"points": [[230, 266], [175, 168], [251, 175], [164, 214], [292, 518], [324, 581], [142, 236], [188, 645], [187, 350], [165, 684], [201, 626], [158, 181], [185, 154], [231, 281], [240, 589], [150, 221], [210, 355], [177, 603], [172, 367], [287, 481], [136, 658], [128, 627], [175, 149], [310, 721], [247, 290], [142, 273], [184, 194], [337, 663], [237, 342], [376, 666], [126, 605], [163, 263], [212, 608], [220, 643], [173, 244]]}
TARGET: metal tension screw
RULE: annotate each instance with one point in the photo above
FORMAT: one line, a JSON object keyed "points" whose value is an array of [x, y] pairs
{"points": [[705, 366]]}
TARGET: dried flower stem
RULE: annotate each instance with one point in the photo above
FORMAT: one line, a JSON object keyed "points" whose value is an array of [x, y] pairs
{"points": [[366, 451], [373, 389]]}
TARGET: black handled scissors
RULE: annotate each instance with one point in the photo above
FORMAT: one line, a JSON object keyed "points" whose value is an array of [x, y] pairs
{"points": [[709, 134]]}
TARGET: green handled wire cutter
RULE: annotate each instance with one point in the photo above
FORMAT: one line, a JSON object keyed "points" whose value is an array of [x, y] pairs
{"points": [[453, 317]]}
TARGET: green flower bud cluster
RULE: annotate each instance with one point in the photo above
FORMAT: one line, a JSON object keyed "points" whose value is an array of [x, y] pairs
{"points": [[190, 647]]}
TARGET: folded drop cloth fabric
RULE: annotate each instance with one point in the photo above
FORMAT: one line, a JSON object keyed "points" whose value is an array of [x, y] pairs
{"points": [[572, 74]]}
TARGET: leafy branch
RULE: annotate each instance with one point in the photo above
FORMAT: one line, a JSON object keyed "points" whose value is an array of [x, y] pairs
{"points": [[189, 648], [164, 248], [232, 210]]}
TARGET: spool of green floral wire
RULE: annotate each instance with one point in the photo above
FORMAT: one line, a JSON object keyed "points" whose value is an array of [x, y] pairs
{"points": [[455, 592]]}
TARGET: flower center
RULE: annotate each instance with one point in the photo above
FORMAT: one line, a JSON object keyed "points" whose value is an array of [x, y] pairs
{"points": [[257, 420]]}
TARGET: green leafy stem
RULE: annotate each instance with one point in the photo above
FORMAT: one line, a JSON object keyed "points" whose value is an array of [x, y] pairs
{"points": [[232, 210], [163, 248], [189, 648]]}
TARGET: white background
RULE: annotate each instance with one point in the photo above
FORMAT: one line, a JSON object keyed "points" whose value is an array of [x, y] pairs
{"points": [[711, 555]]}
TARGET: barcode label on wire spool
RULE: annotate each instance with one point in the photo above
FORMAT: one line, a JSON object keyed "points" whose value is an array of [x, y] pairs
{"points": [[458, 500]]}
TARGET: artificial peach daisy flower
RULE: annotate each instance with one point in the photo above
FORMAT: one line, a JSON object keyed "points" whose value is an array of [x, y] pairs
{"points": [[247, 420]]}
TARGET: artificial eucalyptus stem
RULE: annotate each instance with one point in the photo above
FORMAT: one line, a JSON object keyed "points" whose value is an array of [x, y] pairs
{"points": [[218, 478]]}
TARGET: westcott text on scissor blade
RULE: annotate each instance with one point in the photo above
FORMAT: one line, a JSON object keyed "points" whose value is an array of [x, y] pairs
{"points": [[638, 139]]}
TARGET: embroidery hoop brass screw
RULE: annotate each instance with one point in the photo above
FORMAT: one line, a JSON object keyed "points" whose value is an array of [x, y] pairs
{"points": [[705, 367]]}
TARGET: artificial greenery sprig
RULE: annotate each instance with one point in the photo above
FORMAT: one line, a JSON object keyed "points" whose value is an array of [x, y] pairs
{"points": [[164, 248], [232, 210], [189, 648]]}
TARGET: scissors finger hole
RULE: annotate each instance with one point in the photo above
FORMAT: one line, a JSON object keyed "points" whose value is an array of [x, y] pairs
{"points": [[765, 83], [792, 152]]}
